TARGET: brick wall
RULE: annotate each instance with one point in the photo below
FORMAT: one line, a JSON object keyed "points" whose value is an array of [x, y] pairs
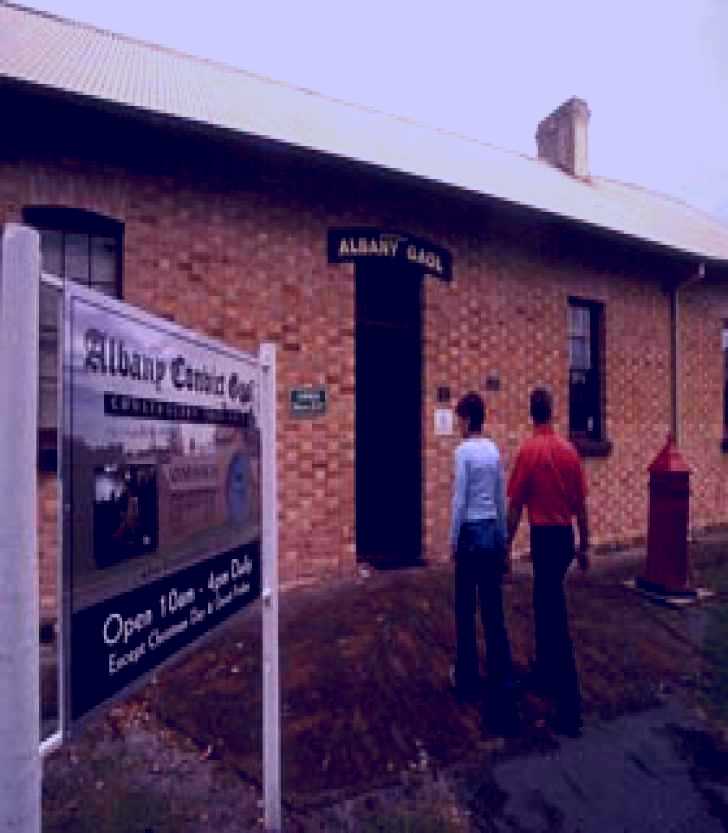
{"points": [[230, 239], [702, 309]]}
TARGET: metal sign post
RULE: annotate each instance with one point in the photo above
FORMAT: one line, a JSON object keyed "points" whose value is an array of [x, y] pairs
{"points": [[271, 684], [20, 766]]}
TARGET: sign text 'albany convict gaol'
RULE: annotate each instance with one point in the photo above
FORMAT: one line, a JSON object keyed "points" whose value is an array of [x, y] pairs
{"points": [[162, 484], [353, 245]]}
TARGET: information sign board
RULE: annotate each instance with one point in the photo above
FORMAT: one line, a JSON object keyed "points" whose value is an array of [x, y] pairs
{"points": [[161, 462]]}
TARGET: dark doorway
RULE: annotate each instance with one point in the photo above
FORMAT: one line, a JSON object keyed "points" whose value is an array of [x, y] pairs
{"points": [[388, 414]]}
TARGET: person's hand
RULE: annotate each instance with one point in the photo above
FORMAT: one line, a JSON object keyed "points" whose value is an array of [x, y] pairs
{"points": [[582, 557]]}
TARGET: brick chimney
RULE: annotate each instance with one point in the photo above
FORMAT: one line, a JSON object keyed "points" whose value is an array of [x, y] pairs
{"points": [[562, 138]]}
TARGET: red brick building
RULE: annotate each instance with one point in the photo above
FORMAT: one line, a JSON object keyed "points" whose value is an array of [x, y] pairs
{"points": [[223, 201]]}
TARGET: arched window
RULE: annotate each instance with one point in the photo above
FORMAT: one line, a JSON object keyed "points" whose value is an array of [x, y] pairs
{"points": [[80, 246]]}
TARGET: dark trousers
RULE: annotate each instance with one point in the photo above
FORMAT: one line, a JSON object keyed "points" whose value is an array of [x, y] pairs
{"points": [[552, 550], [479, 571]]}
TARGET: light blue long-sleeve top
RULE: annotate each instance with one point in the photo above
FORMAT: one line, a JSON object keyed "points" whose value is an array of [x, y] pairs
{"points": [[479, 490]]}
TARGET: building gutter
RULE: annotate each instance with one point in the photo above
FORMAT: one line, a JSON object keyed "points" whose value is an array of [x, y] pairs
{"points": [[675, 352]]}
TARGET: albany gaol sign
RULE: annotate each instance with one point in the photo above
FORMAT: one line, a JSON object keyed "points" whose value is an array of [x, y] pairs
{"points": [[353, 245], [162, 487]]}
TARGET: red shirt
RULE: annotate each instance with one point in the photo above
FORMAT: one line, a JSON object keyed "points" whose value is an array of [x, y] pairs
{"points": [[548, 478]]}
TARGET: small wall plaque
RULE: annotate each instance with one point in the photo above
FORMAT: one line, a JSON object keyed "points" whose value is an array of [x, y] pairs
{"points": [[307, 402], [443, 422], [492, 382], [443, 394]]}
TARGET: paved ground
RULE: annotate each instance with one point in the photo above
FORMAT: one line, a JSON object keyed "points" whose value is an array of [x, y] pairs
{"points": [[373, 739], [630, 774]]}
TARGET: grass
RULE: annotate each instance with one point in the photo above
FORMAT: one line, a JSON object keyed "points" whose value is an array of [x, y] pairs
{"points": [[103, 786], [405, 822], [110, 806]]}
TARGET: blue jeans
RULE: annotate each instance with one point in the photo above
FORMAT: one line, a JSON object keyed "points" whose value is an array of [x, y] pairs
{"points": [[479, 562]]}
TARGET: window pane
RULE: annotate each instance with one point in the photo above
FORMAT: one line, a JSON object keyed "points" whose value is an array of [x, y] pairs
{"points": [[579, 354], [48, 309], [578, 404], [76, 251], [51, 252], [103, 264], [50, 299], [584, 403], [48, 404], [579, 321]]}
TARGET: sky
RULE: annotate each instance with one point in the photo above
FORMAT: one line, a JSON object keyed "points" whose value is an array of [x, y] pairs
{"points": [[654, 72]]}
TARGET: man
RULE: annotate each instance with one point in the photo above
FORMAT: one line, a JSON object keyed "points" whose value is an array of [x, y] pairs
{"points": [[477, 539], [548, 478]]}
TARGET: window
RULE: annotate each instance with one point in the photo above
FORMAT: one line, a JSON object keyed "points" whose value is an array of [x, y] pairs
{"points": [[79, 246], [586, 400], [725, 384]]}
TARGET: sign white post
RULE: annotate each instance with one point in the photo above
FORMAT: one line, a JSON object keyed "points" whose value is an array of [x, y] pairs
{"points": [[20, 765], [269, 593]]}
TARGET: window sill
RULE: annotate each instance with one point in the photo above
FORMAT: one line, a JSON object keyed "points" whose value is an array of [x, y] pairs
{"points": [[591, 448]]}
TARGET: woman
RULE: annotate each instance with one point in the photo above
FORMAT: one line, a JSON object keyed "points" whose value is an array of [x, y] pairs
{"points": [[478, 536]]}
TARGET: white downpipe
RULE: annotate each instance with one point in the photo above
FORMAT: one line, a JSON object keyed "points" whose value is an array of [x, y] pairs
{"points": [[20, 763]]}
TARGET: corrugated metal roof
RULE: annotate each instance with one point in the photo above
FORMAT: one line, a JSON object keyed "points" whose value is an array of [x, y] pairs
{"points": [[45, 50]]}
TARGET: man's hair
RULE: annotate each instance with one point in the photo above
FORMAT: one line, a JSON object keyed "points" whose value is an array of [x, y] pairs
{"points": [[541, 406], [472, 408]]}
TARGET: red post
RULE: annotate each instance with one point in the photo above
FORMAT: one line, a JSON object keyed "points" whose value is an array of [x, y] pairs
{"points": [[666, 571]]}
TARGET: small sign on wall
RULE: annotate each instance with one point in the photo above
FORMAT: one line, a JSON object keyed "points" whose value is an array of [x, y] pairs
{"points": [[308, 402], [443, 422]]}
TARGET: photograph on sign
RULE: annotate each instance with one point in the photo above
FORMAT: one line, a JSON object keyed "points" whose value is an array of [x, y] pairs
{"points": [[162, 468]]}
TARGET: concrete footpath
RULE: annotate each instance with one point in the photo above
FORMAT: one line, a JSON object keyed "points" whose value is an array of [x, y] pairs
{"points": [[632, 775]]}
